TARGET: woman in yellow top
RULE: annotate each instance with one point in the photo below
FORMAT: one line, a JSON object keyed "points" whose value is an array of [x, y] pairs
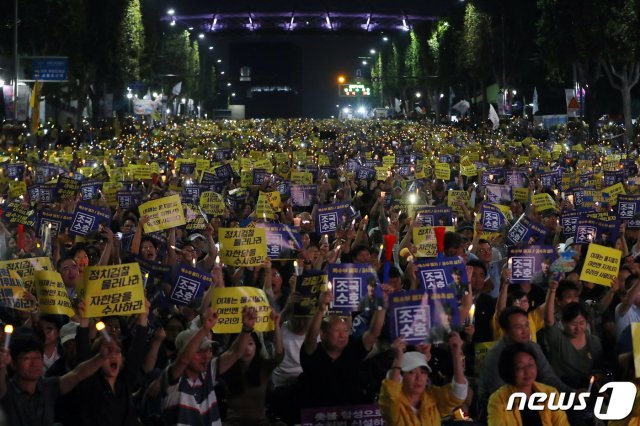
{"points": [[405, 399], [518, 368]]}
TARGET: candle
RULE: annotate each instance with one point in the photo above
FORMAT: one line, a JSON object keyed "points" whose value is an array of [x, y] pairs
{"points": [[366, 218], [382, 194], [380, 253], [146, 277], [509, 263], [193, 262], [472, 312], [217, 262], [8, 329], [176, 249], [103, 329], [593, 378], [264, 217], [455, 221], [329, 286]]}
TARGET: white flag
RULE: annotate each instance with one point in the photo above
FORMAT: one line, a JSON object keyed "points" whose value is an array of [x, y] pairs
{"points": [[493, 117], [535, 100], [176, 89], [398, 103], [147, 96]]}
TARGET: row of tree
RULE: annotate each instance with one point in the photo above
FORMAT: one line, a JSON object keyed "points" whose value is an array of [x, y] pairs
{"points": [[550, 44], [111, 46]]}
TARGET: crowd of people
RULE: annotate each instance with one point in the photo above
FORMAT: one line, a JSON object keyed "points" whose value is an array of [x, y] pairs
{"points": [[554, 331]]}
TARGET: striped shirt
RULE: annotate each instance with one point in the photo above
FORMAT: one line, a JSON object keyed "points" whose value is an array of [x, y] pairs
{"points": [[190, 402]]}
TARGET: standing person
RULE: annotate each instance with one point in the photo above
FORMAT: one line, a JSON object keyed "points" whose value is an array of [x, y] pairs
{"points": [[405, 398], [187, 385], [518, 369]]}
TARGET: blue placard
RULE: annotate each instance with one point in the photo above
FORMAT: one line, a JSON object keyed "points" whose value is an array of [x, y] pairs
{"points": [[492, 218], [87, 219], [350, 282], [283, 241], [526, 262], [433, 216], [303, 195], [190, 284], [330, 217]]}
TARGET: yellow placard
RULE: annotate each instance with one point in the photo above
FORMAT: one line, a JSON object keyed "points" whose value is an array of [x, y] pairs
{"points": [[263, 164], [228, 302], [141, 171], [425, 241], [17, 188], [454, 196], [382, 173], [212, 203], [613, 191], [163, 213], [635, 338], [469, 171], [388, 161], [273, 198], [52, 294], [26, 269], [12, 292], [543, 202], [601, 265], [302, 178], [242, 246], [443, 171], [520, 194], [113, 290]]}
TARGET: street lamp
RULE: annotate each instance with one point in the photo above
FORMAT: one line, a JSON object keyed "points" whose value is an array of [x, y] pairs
{"points": [[341, 79], [170, 12], [201, 36], [219, 61], [364, 62], [418, 95], [228, 84], [372, 51], [385, 38], [210, 47]]}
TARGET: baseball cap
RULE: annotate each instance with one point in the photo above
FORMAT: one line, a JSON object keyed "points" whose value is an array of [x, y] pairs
{"points": [[185, 337], [413, 360], [68, 332], [195, 236]]}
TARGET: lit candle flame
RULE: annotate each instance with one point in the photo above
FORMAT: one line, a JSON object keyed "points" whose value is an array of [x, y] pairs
{"points": [[8, 329], [329, 286], [102, 328]]}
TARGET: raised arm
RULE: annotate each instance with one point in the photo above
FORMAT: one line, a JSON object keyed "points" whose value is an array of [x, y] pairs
{"points": [[87, 368], [550, 304], [137, 236], [209, 260], [370, 336], [311, 338]]}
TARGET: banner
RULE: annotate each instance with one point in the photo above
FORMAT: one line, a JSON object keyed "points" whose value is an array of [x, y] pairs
{"points": [[526, 262], [189, 285], [310, 284], [350, 282], [424, 238], [113, 290], [543, 202], [87, 219], [12, 293], [434, 216], [352, 415], [628, 206], [67, 188], [330, 217], [18, 213], [163, 213], [597, 231], [26, 269], [242, 246], [90, 190], [497, 194], [303, 195], [128, 199], [228, 303], [283, 241], [52, 294], [443, 171]]}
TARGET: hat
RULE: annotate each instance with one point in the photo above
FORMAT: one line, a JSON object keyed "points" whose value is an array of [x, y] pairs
{"points": [[68, 332], [413, 360], [185, 337], [465, 226], [195, 236]]}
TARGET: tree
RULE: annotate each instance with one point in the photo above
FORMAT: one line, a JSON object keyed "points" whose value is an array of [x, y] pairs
{"points": [[193, 76], [477, 47], [391, 73], [621, 61], [377, 80], [131, 42]]}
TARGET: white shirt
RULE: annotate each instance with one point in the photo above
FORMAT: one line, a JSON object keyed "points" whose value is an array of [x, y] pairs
{"points": [[632, 315], [290, 367]]}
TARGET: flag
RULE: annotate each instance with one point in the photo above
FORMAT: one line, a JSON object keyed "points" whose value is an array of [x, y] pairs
{"points": [[398, 104], [35, 106], [535, 100], [493, 117], [148, 95], [462, 107], [176, 89]]}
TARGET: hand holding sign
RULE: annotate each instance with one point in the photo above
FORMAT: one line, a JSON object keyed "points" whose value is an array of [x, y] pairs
{"points": [[249, 317], [326, 297]]}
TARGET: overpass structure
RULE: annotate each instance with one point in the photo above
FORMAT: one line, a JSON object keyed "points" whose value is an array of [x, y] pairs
{"points": [[309, 15]]}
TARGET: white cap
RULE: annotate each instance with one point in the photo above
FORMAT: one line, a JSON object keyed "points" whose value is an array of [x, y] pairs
{"points": [[413, 360], [185, 337], [68, 332]]}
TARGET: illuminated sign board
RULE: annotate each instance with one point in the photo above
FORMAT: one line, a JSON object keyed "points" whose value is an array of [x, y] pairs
{"points": [[353, 90]]}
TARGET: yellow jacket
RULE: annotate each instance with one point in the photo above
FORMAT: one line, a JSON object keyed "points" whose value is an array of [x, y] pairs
{"points": [[632, 419], [498, 414], [397, 411]]}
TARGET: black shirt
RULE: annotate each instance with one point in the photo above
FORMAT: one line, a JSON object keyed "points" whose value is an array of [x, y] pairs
{"points": [[327, 382], [27, 410]]}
